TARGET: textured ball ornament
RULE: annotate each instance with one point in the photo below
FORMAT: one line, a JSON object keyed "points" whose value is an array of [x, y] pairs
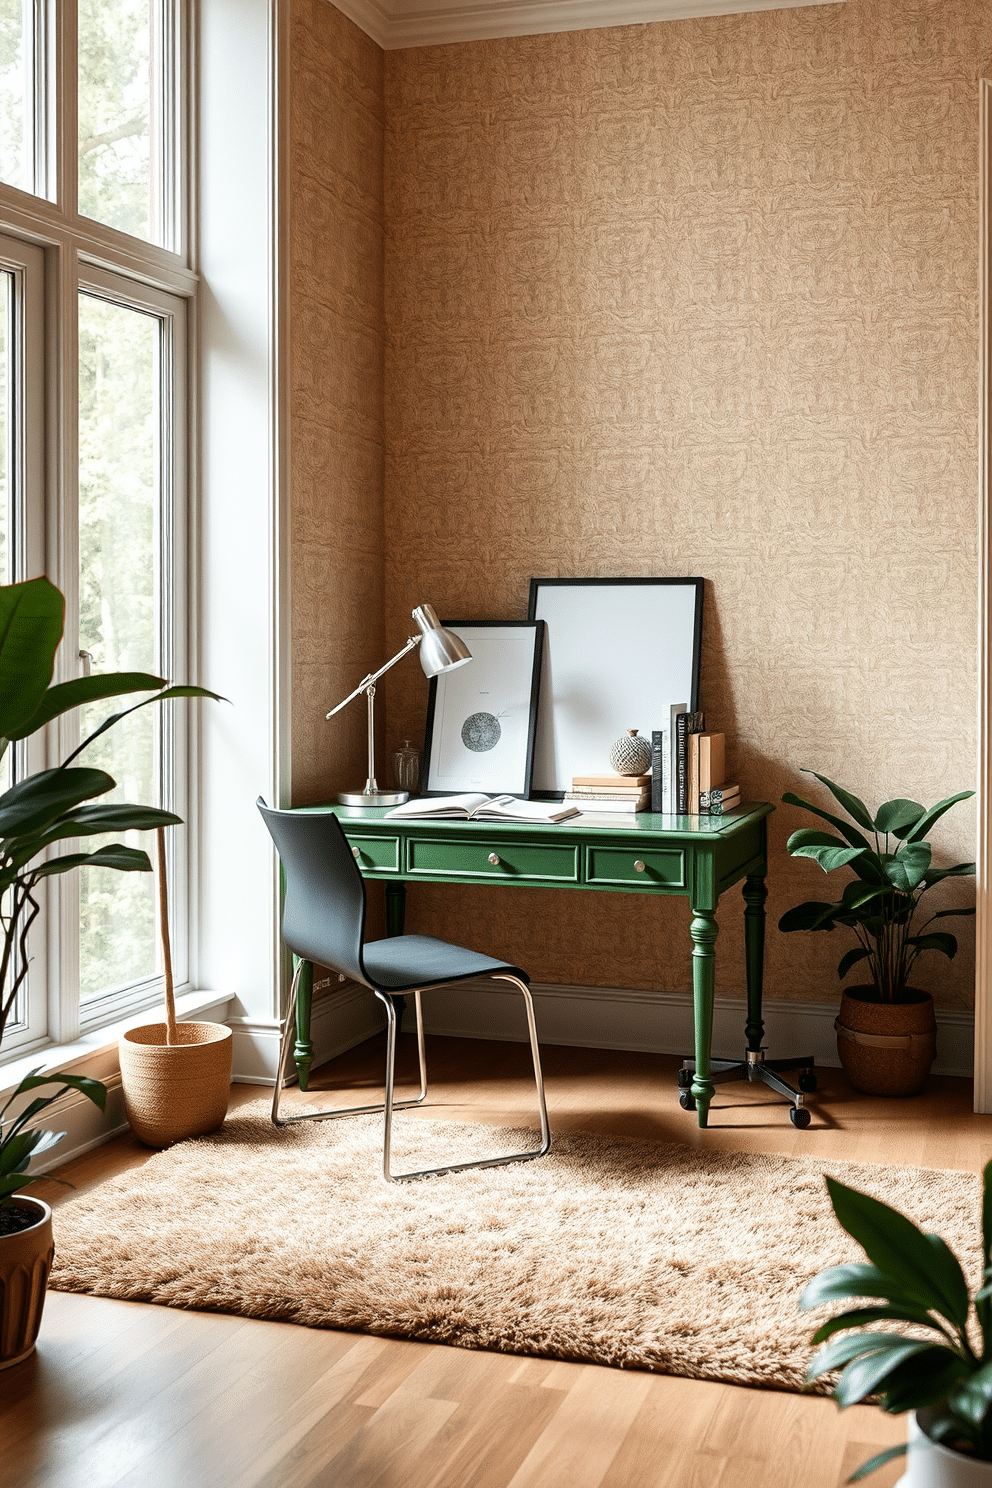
{"points": [[631, 755]]}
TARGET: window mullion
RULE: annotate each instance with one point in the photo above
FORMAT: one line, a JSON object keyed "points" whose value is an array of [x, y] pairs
{"points": [[66, 132]]}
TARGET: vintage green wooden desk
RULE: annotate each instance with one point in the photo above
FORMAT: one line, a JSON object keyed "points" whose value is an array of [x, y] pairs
{"points": [[696, 858]]}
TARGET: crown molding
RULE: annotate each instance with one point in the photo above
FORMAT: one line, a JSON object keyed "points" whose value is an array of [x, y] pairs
{"points": [[396, 24]]}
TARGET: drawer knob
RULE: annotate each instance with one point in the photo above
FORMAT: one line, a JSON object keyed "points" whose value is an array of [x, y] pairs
{"points": [[355, 853], [638, 866], [494, 859]]}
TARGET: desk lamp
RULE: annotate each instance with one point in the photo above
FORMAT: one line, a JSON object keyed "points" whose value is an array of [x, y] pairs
{"points": [[440, 651]]}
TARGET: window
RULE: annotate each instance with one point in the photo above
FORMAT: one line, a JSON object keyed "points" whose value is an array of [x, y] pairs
{"points": [[94, 417]]}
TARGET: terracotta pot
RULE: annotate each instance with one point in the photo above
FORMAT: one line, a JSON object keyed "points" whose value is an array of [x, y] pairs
{"points": [[175, 1091], [25, 1261], [886, 1048], [931, 1465]]}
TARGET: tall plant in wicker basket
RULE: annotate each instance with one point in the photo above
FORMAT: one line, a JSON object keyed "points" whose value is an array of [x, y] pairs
{"points": [[176, 1076]]}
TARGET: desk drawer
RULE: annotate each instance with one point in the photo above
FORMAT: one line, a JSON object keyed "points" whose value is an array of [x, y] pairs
{"points": [[521, 862], [379, 854], [661, 866]]}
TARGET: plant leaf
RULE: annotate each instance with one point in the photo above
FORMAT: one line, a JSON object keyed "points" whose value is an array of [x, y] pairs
{"points": [[854, 1279], [879, 1460], [94, 1090], [89, 821], [934, 814], [922, 1266], [30, 805], [114, 855], [862, 1315], [923, 1379], [855, 808], [973, 1397], [160, 697], [893, 816], [828, 858], [868, 1373], [851, 958], [936, 875], [852, 835], [59, 699], [809, 916], [937, 940], [906, 869], [843, 1350], [945, 914], [31, 619]]}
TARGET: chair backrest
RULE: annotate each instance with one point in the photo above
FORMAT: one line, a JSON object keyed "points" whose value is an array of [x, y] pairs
{"points": [[323, 916]]}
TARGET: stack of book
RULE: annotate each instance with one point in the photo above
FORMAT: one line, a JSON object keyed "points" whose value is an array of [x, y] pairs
{"points": [[610, 792], [688, 767]]}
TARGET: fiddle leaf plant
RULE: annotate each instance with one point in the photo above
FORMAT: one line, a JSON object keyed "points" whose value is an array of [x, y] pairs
{"points": [[51, 806], [892, 866], [912, 1278]]}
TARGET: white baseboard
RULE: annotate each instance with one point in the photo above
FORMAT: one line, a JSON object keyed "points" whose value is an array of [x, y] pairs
{"points": [[661, 1022], [337, 1023]]}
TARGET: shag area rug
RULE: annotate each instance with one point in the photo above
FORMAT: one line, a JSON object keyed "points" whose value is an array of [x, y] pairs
{"points": [[612, 1251]]}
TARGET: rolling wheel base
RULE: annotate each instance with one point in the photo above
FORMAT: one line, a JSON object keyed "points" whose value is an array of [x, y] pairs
{"points": [[759, 1070]]}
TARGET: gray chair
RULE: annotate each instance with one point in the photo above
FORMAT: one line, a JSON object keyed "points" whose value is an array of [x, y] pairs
{"points": [[324, 923]]}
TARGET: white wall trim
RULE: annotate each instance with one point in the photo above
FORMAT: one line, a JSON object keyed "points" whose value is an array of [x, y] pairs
{"points": [[396, 24], [983, 926]]}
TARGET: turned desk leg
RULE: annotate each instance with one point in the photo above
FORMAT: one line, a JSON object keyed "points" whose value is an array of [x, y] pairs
{"points": [[704, 932], [755, 894], [303, 1048]]}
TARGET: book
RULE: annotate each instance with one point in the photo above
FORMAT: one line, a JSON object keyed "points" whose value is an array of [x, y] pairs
{"points": [[686, 724], [718, 793], [589, 795], [663, 761], [720, 808], [484, 808], [712, 752], [610, 782], [621, 792], [626, 807]]}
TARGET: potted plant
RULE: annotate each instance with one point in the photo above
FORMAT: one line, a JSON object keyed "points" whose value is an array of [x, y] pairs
{"points": [[886, 1030], [37, 813], [944, 1377]]}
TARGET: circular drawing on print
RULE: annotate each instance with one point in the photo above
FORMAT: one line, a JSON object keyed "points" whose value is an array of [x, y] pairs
{"points": [[481, 732]]}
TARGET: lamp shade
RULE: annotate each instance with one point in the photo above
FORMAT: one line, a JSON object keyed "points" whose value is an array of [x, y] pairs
{"points": [[440, 650]]}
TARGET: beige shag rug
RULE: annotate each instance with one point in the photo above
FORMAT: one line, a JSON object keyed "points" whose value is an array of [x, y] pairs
{"points": [[614, 1251]]}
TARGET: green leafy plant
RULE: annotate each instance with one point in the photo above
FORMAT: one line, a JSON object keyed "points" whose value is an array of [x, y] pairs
{"points": [[912, 1278], [49, 807], [892, 867]]}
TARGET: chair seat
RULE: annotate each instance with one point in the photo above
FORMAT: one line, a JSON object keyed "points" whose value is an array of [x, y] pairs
{"points": [[404, 962]]}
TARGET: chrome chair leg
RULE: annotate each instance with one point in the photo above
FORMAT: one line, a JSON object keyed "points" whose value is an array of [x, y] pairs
{"points": [[287, 1040], [391, 1105]]}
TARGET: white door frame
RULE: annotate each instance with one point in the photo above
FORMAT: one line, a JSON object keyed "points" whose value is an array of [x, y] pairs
{"points": [[983, 923]]}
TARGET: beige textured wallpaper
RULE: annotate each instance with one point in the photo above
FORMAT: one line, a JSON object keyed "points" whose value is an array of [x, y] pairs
{"points": [[689, 298], [336, 449]]}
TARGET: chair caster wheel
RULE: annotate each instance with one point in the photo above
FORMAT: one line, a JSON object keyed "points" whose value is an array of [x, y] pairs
{"points": [[687, 1100], [807, 1080], [800, 1117], [684, 1078]]}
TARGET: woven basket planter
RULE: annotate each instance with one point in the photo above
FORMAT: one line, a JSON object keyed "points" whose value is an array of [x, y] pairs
{"points": [[25, 1261], [179, 1090], [886, 1048]]}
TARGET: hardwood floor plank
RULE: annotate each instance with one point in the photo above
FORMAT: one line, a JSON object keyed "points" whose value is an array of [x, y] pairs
{"points": [[585, 1433]]}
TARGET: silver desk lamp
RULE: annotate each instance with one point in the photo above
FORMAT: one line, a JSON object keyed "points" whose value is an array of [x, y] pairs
{"points": [[440, 651]]}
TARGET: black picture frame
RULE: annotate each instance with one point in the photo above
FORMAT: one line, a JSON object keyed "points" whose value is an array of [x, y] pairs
{"points": [[609, 649], [441, 756]]}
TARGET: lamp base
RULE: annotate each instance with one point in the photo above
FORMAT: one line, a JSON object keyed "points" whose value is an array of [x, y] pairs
{"points": [[372, 798]]}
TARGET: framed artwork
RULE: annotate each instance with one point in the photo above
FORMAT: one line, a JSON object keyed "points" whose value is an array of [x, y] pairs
{"points": [[618, 653], [482, 718]]}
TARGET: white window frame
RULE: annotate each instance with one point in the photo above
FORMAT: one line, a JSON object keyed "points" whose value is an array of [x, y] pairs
{"points": [[80, 254]]}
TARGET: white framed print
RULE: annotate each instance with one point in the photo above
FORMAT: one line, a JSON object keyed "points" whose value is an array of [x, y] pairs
{"points": [[482, 718], [618, 653]]}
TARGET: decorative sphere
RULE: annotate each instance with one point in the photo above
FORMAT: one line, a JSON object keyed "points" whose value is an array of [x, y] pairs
{"points": [[631, 755]]}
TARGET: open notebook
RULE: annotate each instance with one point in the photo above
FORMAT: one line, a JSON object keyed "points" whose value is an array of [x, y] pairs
{"points": [[491, 808]]}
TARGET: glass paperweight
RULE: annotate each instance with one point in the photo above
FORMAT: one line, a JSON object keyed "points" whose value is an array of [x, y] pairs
{"points": [[406, 768]]}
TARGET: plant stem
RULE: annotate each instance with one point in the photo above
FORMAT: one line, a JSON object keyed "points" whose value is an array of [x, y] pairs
{"points": [[171, 1032]]}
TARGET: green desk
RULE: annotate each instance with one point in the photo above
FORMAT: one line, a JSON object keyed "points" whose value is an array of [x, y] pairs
{"points": [[694, 858]]}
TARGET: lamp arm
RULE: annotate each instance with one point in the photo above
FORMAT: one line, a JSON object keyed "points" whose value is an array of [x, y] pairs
{"points": [[373, 677]]}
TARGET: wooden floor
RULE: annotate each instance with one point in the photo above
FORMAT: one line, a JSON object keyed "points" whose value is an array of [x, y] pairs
{"points": [[127, 1394]]}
